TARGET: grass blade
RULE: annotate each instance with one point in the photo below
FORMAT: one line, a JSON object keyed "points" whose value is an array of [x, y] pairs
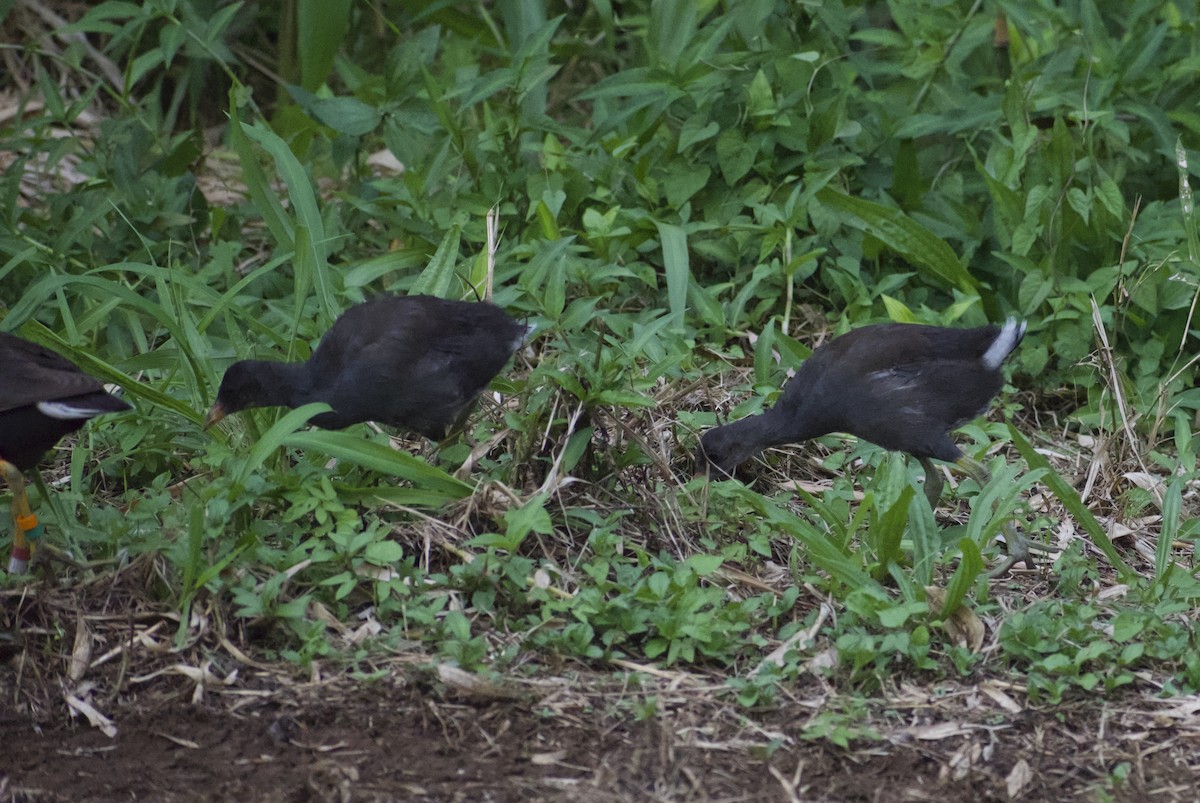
{"points": [[378, 457], [277, 436], [1172, 505], [677, 267], [1071, 501], [37, 333]]}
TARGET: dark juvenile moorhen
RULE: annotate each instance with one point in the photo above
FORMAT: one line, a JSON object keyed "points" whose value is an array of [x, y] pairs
{"points": [[900, 386], [412, 362], [43, 396]]}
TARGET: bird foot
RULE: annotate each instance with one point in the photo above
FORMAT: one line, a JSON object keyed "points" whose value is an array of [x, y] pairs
{"points": [[1020, 550]]}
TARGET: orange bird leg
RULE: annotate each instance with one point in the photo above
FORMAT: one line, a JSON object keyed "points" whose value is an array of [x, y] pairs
{"points": [[24, 522]]}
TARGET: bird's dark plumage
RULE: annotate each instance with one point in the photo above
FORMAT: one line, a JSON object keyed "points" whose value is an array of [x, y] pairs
{"points": [[901, 386], [413, 362], [43, 396]]}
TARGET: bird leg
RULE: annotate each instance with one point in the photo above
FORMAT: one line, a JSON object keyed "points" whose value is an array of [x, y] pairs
{"points": [[1019, 547], [933, 482], [24, 522], [457, 428]]}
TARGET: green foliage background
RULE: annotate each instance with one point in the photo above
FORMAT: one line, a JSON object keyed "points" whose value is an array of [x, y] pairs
{"points": [[670, 178]]}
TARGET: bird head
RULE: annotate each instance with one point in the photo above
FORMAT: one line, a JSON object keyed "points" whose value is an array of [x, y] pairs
{"points": [[241, 388], [721, 451]]}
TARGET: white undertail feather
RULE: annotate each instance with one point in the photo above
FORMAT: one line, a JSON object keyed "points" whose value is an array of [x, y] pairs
{"points": [[520, 339], [1010, 335], [63, 410]]}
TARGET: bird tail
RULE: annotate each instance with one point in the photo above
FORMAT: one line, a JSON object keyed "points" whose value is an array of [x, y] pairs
{"points": [[88, 405], [526, 331], [1010, 335]]}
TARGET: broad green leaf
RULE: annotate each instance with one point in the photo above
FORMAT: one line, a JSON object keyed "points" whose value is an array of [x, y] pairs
{"points": [[147, 62], [97, 17], [1109, 195], [321, 26], [764, 357], [304, 270], [640, 84], [529, 517], [623, 398], [762, 99], [705, 307], [889, 531], [970, 566], [697, 128], [897, 311], [895, 616], [383, 553], [576, 447], [438, 275], [678, 270], [402, 496], [1079, 201], [820, 549], [703, 565], [926, 540], [345, 115], [683, 181], [671, 28], [549, 225], [734, 155], [485, 86], [907, 185], [928, 253], [370, 270]]}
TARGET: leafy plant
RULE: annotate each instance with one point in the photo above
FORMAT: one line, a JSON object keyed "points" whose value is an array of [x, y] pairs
{"points": [[690, 197]]}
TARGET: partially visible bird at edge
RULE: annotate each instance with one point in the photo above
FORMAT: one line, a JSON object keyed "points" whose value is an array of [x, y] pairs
{"points": [[43, 396]]}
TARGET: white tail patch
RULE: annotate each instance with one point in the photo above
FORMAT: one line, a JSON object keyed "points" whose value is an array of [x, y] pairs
{"points": [[523, 336], [1010, 335], [67, 411]]}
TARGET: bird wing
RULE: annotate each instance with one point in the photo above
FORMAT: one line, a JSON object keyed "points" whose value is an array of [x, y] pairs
{"points": [[30, 374], [907, 344], [947, 390]]}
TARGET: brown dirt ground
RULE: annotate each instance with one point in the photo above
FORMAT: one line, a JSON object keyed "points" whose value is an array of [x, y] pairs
{"points": [[385, 741], [210, 723]]}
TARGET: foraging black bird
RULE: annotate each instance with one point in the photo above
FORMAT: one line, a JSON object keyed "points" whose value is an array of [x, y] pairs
{"points": [[43, 396], [412, 362], [900, 386]]}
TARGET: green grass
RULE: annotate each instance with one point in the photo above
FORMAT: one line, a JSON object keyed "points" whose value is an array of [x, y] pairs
{"points": [[689, 199]]}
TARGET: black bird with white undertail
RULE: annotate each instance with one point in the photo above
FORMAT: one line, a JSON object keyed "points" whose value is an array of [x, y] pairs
{"points": [[416, 363], [43, 396], [900, 386]]}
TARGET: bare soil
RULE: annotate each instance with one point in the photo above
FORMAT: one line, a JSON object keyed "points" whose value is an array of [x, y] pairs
{"points": [[267, 737]]}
